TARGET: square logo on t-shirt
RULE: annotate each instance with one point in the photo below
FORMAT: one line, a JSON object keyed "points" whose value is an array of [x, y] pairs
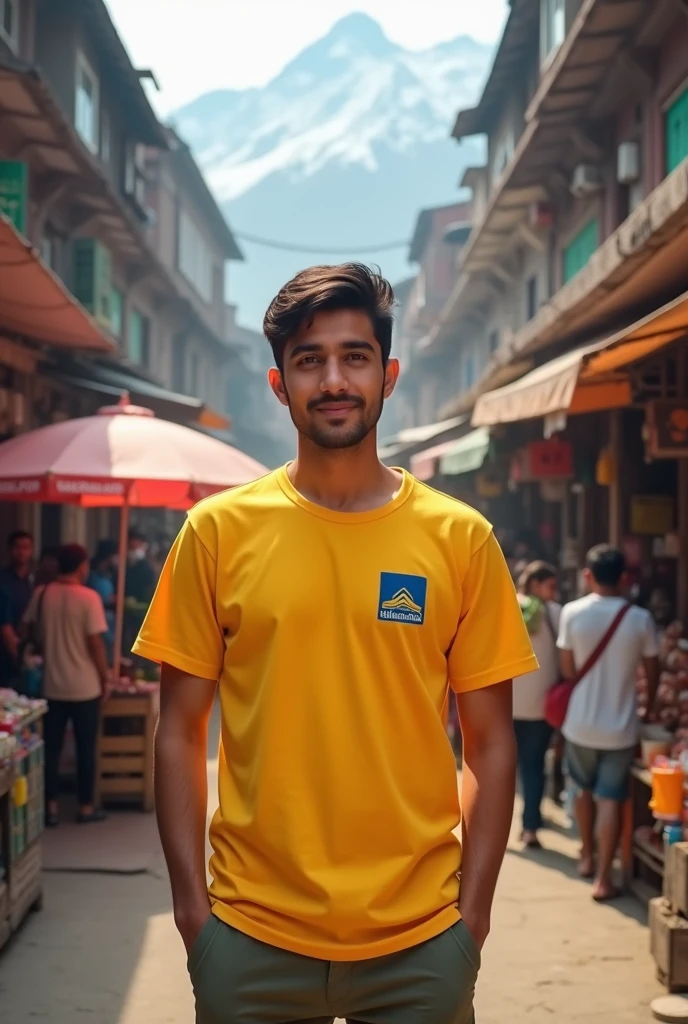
{"points": [[402, 598]]}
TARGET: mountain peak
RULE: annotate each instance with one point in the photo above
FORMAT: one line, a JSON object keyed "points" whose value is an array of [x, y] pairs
{"points": [[359, 26]]}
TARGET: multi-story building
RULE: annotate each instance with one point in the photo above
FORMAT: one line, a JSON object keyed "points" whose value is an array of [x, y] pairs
{"points": [[573, 282], [118, 214]]}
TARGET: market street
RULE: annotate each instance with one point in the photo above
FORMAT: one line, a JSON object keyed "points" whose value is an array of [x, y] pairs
{"points": [[105, 946]]}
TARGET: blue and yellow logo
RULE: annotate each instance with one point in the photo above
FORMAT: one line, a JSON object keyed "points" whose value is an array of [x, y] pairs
{"points": [[402, 598]]}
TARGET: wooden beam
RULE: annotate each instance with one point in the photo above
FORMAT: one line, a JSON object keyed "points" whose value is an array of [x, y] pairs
{"points": [[532, 239], [588, 149]]}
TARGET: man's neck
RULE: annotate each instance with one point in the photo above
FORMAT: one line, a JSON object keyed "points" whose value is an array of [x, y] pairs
{"points": [[68, 578], [21, 571], [607, 591], [344, 479]]}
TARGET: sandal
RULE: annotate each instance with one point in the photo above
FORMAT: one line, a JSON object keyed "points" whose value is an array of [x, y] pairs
{"points": [[91, 817]]}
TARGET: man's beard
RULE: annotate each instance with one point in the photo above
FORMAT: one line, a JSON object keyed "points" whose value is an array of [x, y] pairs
{"points": [[332, 438]]}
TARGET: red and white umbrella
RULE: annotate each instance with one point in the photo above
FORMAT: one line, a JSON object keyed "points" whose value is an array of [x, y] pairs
{"points": [[121, 457]]}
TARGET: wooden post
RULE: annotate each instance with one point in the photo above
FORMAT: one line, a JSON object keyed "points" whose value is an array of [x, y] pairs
{"points": [[682, 510]]}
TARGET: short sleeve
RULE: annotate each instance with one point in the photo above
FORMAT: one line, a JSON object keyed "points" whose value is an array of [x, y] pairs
{"points": [[181, 627], [650, 639], [96, 622], [564, 638], [492, 642]]}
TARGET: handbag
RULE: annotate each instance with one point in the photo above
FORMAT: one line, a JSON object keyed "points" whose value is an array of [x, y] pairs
{"points": [[31, 655], [559, 695]]}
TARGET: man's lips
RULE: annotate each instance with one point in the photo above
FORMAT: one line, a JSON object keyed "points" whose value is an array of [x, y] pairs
{"points": [[337, 407]]}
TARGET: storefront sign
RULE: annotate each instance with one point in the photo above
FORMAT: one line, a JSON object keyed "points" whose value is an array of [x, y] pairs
{"points": [[14, 192], [652, 515], [543, 460], [667, 422]]}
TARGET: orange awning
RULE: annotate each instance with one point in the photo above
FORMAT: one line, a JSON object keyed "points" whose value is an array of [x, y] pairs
{"points": [[586, 379], [34, 304], [554, 387]]}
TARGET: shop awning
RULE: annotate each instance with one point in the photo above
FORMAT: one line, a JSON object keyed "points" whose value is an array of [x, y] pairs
{"points": [[34, 304], [466, 454], [424, 464], [168, 404], [590, 377]]}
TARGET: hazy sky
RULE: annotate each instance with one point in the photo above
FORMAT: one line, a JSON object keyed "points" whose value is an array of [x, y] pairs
{"points": [[197, 45]]}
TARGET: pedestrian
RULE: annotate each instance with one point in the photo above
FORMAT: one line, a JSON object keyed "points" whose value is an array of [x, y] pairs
{"points": [[537, 597], [101, 578], [48, 567], [16, 585], [337, 601], [140, 578], [603, 638], [69, 621]]}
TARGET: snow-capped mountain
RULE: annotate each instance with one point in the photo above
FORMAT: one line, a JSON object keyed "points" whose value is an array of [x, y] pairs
{"points": [[340, 150]]}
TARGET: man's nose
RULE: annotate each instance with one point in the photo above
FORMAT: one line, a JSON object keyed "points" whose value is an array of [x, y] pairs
{"points": [[333, 378]]}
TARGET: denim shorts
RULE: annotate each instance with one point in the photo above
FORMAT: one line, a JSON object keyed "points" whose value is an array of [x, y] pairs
{"points": [[605, 773]]}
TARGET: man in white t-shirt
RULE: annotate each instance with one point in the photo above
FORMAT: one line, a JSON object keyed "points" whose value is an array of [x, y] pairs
{"points": [[601, 727]]}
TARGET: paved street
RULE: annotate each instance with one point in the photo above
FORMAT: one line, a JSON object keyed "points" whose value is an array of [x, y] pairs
{"points": [[104, 949]]}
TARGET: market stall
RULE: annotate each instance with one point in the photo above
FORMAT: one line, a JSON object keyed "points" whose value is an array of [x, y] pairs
{"points": [[123, 457], [21, 808]]}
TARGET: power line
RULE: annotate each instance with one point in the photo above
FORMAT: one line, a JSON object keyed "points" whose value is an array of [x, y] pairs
{"points": [[362, 250]]}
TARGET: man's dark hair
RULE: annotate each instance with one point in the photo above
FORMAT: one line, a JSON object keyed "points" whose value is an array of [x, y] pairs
{"points": [[18, 535], [106, 549], [346, 286], [536, 572], [135, 534], [70, 557], [607, 565]]}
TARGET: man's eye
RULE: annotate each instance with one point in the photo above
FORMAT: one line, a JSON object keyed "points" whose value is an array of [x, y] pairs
{"points": [[358, 356]]}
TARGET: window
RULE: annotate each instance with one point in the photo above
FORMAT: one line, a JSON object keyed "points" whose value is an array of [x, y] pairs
{"points": [[194, 374], [552, 27], [531, 297], [503, 154], [194, 257], [676, 129], [9, 23], [580, 249], [86, 104], [139, 338], [105, 138], [116, 312], [493, 342]]}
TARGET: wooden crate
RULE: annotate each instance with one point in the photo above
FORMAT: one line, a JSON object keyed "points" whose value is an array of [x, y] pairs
{"points": [[125, 750], [25, 890], [669, 945]]}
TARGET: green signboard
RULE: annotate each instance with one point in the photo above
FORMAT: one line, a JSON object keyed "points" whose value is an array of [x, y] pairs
{"points": [[14, 192]]}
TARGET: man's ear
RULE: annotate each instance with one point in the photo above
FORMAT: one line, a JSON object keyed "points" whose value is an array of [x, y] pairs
{"points": [[277, 385], [391, 377]]}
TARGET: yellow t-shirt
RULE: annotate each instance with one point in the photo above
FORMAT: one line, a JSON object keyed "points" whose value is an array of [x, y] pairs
{"points": [[336, 637]]}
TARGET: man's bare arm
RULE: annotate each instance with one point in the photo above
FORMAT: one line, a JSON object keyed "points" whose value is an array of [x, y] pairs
{"points": [[181, 793], [487, 798], [96, 650], [567, 664]]}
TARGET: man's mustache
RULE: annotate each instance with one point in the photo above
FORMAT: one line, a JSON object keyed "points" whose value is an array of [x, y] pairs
{"points": [[316, 403]]}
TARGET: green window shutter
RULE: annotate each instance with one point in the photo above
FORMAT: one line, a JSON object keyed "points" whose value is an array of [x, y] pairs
{"points": [[116, 312], [92, 278], [580, 249], [135, 336], [676, 128]]}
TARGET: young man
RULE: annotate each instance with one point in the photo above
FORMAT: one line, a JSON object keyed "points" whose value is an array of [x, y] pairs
{"points": [[337, 602], [601, 727], [70, 623], [16, 587]]}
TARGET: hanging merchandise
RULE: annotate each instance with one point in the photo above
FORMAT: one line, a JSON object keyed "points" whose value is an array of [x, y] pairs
{"points": [[605, 469]]}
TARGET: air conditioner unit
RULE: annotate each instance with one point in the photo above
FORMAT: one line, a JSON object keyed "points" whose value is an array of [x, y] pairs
{"points": [[628, 163], [586, 181]]}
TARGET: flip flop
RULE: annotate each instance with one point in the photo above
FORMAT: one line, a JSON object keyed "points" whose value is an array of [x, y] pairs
{"points": [[612, 894]]}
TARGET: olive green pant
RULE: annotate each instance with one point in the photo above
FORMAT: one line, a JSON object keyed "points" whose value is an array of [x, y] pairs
{"points": [[237, 980]]}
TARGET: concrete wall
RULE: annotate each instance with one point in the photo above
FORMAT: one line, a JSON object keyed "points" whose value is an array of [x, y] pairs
{"points": [[56, 43]]}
